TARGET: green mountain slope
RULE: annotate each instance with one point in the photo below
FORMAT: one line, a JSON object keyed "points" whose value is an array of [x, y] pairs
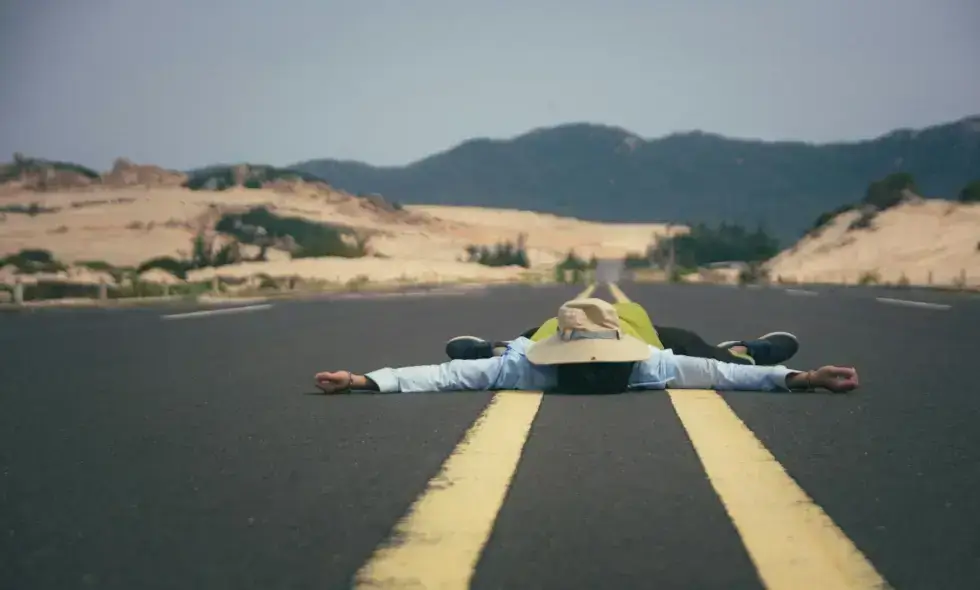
{"points": [[609, 174]]}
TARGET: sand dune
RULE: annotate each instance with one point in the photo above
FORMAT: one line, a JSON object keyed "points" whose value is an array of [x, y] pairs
{"points": [[917, 240], [129, 225]]}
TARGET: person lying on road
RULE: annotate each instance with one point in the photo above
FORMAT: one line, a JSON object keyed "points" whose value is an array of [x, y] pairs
{"points": [[771, 349], [590, 351]]}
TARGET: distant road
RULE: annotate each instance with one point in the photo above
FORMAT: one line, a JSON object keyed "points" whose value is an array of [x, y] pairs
{"points": [[143, 452]]}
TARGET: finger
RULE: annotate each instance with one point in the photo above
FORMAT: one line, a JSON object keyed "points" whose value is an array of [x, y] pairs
{"points": [[847, 384]]}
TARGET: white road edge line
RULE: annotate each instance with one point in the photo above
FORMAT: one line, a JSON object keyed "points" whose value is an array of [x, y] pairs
{"points": [[909, 303], [207, 312], [800, 292]]}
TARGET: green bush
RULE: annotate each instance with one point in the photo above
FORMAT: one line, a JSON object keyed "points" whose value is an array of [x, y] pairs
{"points": [[705, 245], [865, 221], [176, 267], [223, 177], [971, 193], [258, 226], [33, 209], [887, 192], [753, 274], [633, 260], [502, 254], [869, 278], [31, 261], [572, 262], [219, 178]]}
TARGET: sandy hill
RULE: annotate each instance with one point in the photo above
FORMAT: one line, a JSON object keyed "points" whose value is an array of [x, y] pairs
{"points": [[915, 239], [135, 213], [35, 174]]}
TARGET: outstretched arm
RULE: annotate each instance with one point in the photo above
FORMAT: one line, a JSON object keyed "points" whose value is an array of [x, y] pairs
{"points": [[700, 373], [457, 375]]}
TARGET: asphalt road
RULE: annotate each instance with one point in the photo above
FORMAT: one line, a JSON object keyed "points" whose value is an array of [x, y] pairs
{"points": [[193, 452]]}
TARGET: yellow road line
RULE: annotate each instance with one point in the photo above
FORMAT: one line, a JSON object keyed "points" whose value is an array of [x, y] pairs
{"points": [[792, 542], [617, 293], [588, 291], [790, 539], [439, 542]]}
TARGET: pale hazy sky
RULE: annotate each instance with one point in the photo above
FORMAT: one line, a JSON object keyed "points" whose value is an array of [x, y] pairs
{"points": [[184, 83]]}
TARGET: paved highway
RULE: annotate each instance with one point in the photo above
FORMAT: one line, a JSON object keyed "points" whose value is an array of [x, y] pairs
{"points": [[143, 449]]}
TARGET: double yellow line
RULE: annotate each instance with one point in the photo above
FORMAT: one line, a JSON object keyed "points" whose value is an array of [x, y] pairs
{"points": [[792, 542], [438, 543]]}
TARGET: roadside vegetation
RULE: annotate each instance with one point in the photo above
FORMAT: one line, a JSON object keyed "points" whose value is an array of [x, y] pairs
{"points": [[32, 210], [301, 237], [705, 245], [971, 193], [504, 253], [255, 227], [253, 176]]}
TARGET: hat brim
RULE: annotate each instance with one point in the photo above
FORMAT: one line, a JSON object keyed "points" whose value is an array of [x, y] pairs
{"points": [[555, 351]]}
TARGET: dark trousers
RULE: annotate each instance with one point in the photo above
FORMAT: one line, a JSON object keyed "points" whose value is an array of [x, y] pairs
{"points": [[686, 343]]}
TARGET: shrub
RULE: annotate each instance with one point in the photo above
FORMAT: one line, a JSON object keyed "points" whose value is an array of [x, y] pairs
{"points": [[33, 209], [502, 254], [971, 193], [633, 260], [259, 226], [223, 177], [865, 221], [706, 245], [753, 274], [31, 261], [170, 264], [887, 192], [870, 277]]}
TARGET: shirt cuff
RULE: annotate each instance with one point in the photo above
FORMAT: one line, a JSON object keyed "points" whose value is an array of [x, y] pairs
{"points": [[780, 375], [385, 378]]}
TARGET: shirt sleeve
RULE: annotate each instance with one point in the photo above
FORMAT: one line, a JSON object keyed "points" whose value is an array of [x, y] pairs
{"points": [[456, 375], [701, 373]]}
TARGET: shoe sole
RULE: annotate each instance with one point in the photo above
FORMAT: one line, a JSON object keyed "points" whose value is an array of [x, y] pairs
{"points": [[449, 344], [796, 344], [728, 343], [787, 334]]}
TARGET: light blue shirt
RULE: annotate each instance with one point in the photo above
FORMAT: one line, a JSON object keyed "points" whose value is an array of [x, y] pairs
{"points": [[512, 370]]}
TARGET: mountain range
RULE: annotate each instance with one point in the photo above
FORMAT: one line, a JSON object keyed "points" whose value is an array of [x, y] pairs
{"points": [[606, 173]]}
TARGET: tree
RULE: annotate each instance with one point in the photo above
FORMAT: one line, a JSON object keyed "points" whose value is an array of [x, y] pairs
{"points": [[889, 191]]}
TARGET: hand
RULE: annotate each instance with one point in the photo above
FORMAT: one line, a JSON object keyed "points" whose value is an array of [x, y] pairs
{"points": [[334, 381], [836, 379]]}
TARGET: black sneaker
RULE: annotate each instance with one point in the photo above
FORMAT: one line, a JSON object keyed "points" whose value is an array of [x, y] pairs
{"points": [[468, 348], [775, 348]]}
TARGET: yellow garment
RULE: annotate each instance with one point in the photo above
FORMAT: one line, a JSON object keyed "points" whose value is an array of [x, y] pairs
{"points": [[633, 319]]}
